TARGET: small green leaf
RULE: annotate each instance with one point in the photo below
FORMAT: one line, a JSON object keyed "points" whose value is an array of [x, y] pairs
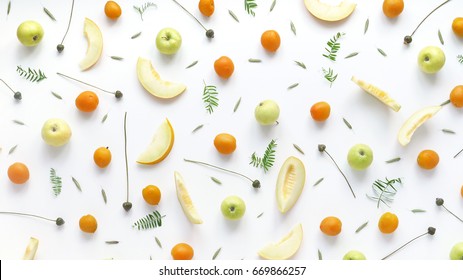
{"points": [[293, 28], [232, 14], [440, 37], [12, 149], [18, 122], [418, 211], [320, 257], [237, 104], [197, 128], [192, 64], [318, 182], [49, 14], [367, 24], [254, 60], [158, 242], [135, 35], [393, 160], [445, 130], [215, 180], [298, 149], [300, 64], [260, 215], [104, 118], [347, 123], [76, 183], [216, 253], [351, 55], [9, 8], [381, 52], [56, 95], [112, 242], [293, 86], [105, 198], [117, 57], [273, 5], [362, 226]]}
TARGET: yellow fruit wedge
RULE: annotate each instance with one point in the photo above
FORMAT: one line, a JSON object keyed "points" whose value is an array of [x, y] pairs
{"points": [[327, 12], [95, 44], [378, 93], [290, 183], [286, 247], [152, 82], [160, 146], [31, 249], [414, 121], [185, 200]]}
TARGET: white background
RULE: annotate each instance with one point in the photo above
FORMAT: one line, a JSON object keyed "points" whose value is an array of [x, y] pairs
{"points": [[373, 124]]}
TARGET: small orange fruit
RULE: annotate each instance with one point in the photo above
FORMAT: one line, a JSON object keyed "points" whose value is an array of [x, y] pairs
{"points": [[388, 222], [331, 226], [428, 159], [88, 224], [320, 111], [206, 7], [87, 101], [112, 10], [151, 194], [461, 191], [270, 40], [225, 143], [224, 67], [102, 157], [456, 96], [18, 173], [182, 251], [393, 8], [457, 26]]}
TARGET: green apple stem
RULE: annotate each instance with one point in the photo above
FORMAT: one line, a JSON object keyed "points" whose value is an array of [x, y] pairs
{"points": [[126, 205], [440, 202], [431, 231], [58, 221], [408, 38], [118, 94], [255, 183], [322, 148], [60, 47], [16, 94], [209, 32]]}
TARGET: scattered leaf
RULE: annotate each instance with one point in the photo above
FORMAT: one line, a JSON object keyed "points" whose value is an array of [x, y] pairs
{"points": [[300, 64], [260, 215], [362, 226], [393, 160], [215, 180], [254, 60], [273, 5], [445, 102], [112, 242], [418, 211], [76, 183], [298, 149], [192, 64], [237, 105], [117, 57], [197, 128], [135, 35], [105, 198], [445, 130], [318, 182], [158, 242], [56, 95], [320, 257], [249, 6], [293, 86], [18, 122], [12, 149], [367, 24], [381, 52], [293, 28], [142, 9], [347, 123], [216, 253], [440, 37], [351, 55], [9, 8], [460, 58], [232, 14], [49, 14], [104, 118]]}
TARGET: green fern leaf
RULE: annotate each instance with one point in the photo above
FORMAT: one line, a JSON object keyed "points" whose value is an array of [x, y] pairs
{"points": [[152, 220], [210, 98], [249, 6], [31, 74], [329, 75], [333, 47], [56, 182], [265, 162], [460, 58]]}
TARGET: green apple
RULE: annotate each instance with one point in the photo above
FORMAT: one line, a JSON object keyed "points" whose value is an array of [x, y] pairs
{"points": [[457, 251], [168, 40], [431, 59], [360, 156], [354, 255], [267, 112], [30, 33], [56, 132], [233, 207]]}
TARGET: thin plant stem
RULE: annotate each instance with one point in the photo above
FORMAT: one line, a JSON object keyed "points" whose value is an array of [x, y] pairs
{"points": [[395, 251], [220, 168], [452, 213], [342, 173], [125, 155], [66, 76], [429, 15], [190, 14], [25, 214]]}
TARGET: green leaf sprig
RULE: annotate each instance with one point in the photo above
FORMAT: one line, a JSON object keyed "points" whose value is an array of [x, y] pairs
{"points": [[142, 9], [329, 75], [249, 6], [210, 97], [384, 190], [56, 182], [152, 220], [31, 74], [333, 47], [267, 160], [460, 58]]}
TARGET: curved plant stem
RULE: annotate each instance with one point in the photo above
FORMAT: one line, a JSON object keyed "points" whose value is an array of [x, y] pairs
{"points": [[16, 94], [209, 32], [453, 214], [430, 231], [60, 47], [255, 183], [58, 221], [126, 205], [322, 148], [117, 93]]}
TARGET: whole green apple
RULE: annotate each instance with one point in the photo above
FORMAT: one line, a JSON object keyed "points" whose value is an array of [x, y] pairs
{"points": [[456, 253], [233, 207], [168, 41], [360, 156], [354, 255], [431, 59], [30, 33], [56, 132], [267, 112]]}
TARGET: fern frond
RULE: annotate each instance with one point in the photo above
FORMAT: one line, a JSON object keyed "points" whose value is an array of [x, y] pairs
{"points": [[333, 47], [460, 58], [249, 6], [56, 182], [385, 190], [152, 220], [329, 75], [265, 162], [210, 97], [141, 10], [31, 74]]}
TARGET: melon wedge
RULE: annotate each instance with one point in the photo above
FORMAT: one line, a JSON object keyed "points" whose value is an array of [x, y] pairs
{"points": [[327, 12], [95, 44], [160, 146], [152, 82], [31, 249], [290, 183], [414, 121], [286, 247], [185, 200], [378, 93]]}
